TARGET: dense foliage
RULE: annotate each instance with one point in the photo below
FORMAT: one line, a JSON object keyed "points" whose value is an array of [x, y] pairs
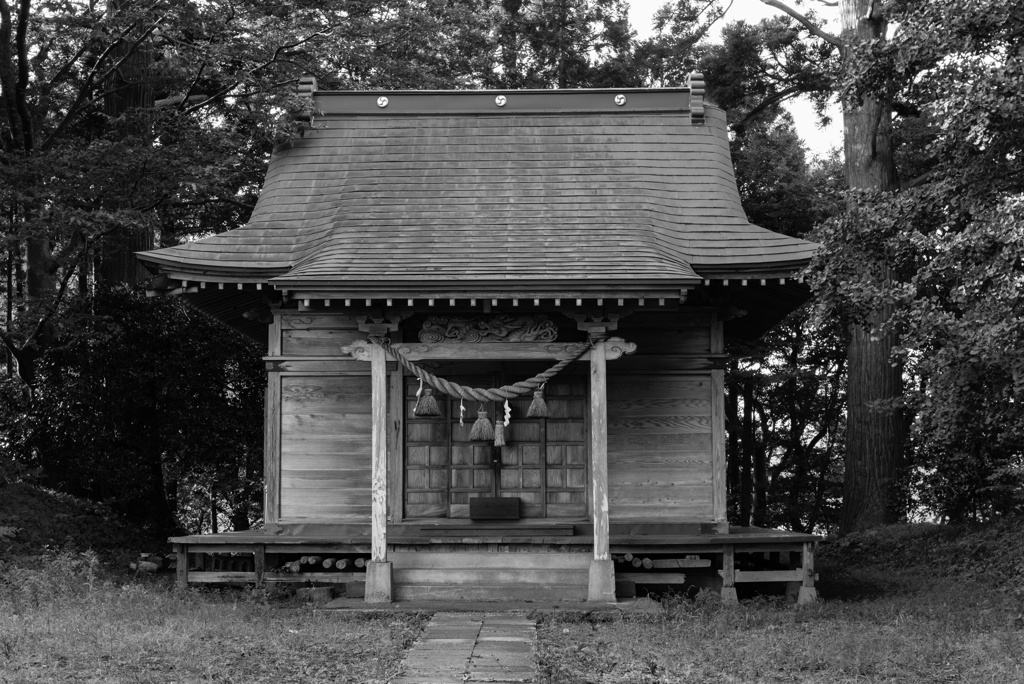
{"points": [[949, 242], [150, 406]]}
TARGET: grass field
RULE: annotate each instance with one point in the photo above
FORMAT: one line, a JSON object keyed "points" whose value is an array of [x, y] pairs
{"points": [[64, 624], [921, 630], [916, 604]]}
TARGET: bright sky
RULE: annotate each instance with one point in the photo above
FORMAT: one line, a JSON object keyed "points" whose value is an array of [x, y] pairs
{"points": [[819, 141]]}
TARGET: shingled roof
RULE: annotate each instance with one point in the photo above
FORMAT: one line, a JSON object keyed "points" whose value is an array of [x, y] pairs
{"points": [[551, 193]]}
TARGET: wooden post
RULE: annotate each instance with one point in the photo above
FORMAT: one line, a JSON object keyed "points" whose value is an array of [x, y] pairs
{"points": [[602, 570], [395, 466], [599, 449], [729, 596], [272, 451], [259, 563], [718, 465], [719, 494], [272, 433], [378, 571], [181, 565], [808, 594], [379, 463]]}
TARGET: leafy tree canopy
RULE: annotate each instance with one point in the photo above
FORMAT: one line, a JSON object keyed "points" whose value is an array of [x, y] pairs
{"points": [[950, 240]]}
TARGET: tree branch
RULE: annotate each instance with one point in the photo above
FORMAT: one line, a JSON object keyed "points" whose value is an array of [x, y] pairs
{"points": [[216, 96], [21, 90], [282, 48], [83, 91], [69, 248], [773, 99], [807, 23], [7, 76], [276, 58], [131, 50], [54, 307], [211, 200], [66, 67], [191, 87]]}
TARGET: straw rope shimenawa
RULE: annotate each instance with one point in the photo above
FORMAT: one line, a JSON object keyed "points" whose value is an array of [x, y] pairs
{"points": [[452, 389]]}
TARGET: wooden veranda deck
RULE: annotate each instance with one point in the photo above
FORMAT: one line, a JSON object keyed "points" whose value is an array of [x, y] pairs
{"points": [[707, 559]]}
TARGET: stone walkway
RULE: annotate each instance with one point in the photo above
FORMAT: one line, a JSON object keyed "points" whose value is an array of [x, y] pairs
{"points": [[472, 647]]}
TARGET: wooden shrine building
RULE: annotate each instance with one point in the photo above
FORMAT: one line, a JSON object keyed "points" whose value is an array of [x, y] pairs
{"points": [[581, 252]]}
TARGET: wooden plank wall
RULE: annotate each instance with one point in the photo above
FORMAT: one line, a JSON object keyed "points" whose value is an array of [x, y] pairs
{"points": [[660, 450], [659, 424], [325, 426]]}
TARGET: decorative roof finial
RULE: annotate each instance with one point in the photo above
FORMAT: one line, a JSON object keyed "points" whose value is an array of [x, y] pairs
{"points": [[695, 82], [307, 86]]}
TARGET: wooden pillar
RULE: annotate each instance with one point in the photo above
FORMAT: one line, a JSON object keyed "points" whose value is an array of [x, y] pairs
{"points": [[729, 596], [808, 594], [602, 571], [378, 571], [272, 433], [396, 386], [599, 449], [259, 563], [181, 565], [718, 433]]}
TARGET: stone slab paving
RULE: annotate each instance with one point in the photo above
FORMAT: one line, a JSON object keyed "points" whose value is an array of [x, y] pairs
{"points": [[456, 648]]}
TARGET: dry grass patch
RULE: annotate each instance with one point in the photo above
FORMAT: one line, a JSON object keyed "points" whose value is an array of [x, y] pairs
{"points": [[924, 631], [63, 624]]}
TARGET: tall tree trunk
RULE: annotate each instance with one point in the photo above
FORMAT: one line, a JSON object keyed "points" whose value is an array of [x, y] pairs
{"points": [[732, 407], [127, 88], [117, 262], [509, 35], [83, 273], [797, 426], [213, 512], [746, 477], [562, 81], [9, 312], [874, 436], [760, 469], [40, 288]]}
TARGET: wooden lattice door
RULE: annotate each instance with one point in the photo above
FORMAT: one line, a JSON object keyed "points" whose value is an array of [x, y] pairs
{"points": [[544, 462]]}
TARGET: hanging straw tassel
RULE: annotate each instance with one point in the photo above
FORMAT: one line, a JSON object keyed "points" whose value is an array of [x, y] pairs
{"points": [[482, 430], [426, 405], [538, 408]]}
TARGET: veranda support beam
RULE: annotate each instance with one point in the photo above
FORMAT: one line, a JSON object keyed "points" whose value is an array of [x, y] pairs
{"points": [[181, 565], [601, 586], [808, 594], [729, 596], [378, 570]]}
